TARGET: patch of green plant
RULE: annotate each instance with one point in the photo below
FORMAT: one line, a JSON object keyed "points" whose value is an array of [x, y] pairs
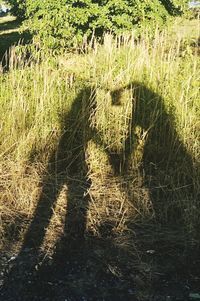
{"points": [[58, 23]]}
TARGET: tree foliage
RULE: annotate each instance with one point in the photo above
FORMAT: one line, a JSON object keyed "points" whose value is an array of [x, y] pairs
{"points": [[18, 7], [57, 23]]}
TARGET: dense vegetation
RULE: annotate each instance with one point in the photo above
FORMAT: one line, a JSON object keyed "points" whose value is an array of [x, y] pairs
{"points": [[99, 152], [65, 23], [33, 113]]}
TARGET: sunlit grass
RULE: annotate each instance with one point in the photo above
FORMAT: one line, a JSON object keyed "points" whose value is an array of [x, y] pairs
{"points": [[34, 96]]}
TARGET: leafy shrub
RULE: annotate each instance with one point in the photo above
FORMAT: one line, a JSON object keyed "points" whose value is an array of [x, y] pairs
{"points": [[18, 8], [58, 23]]}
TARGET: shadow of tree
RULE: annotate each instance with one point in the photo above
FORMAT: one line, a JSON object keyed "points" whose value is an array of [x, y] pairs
{"points": [[85, 267], [10, 24], [10, 36], [170, 7], [12, 39]]}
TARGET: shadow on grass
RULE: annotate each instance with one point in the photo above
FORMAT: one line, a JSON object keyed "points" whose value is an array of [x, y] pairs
{"points": [[170, 7], [85, 267], [9, 24], [9, 37]]}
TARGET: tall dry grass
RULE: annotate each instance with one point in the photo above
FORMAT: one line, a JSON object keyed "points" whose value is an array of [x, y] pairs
{"points": [[35, 96]]}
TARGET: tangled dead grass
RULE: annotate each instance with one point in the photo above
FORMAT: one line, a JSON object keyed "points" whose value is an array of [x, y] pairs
{"points": [[44, 91]]}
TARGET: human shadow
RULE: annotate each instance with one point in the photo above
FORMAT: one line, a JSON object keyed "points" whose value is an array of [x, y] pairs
{"points": [[169, 173], [66, 167], [166, 164], [166, 167]]}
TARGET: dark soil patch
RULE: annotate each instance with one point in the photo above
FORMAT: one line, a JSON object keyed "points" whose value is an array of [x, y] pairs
{"points": [[97, 269]]}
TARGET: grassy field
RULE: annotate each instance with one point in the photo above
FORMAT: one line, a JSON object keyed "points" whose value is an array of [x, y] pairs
{"points": [[105, 145]]}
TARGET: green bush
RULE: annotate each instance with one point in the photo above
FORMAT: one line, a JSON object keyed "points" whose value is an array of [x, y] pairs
{"points": [[56, 23], [18, 8], [61, 22]]}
